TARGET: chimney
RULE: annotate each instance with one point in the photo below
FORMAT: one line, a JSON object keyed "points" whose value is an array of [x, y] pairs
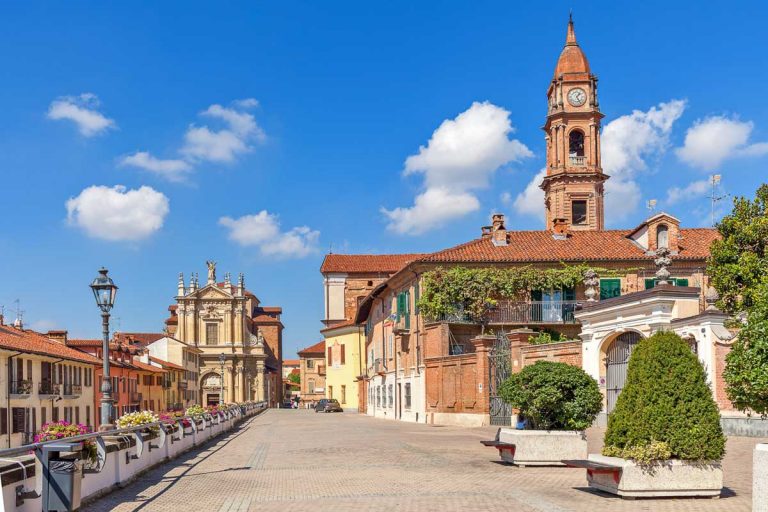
{"points": [[59, 336], [560, 228], [498, 231]]}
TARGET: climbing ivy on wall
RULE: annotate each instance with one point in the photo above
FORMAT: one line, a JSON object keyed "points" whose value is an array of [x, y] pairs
{"points": [[475, 291]]}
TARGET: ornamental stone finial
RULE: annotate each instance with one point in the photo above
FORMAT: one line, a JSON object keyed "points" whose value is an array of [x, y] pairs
{"points": [[711, 297], [662, 261], [591, 282], [181, 289]]}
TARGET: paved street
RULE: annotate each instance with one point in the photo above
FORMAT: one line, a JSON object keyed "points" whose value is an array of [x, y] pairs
{"points": [[298, 460]]}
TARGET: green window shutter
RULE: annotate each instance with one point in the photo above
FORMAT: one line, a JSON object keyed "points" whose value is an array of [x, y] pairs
{"points": [[610, 288], [681, 282], [569, 294], [536, 295], [407, 310], [650, 283]]}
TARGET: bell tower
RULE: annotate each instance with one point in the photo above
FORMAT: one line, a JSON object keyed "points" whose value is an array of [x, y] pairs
{"points": [[573, 186]]}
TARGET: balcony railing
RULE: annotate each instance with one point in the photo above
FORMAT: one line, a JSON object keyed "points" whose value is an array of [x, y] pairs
{"points": [[578, 161], [135, 397], [20, 387], [520, 313], [48, 388], [321, 369], [73, 390]]}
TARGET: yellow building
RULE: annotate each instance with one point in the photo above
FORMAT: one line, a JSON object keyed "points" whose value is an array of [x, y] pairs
{"points": [[344, 343]]}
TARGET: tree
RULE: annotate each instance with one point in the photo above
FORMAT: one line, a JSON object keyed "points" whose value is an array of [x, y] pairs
{"points": [[738, 269], [666, 402], [295, 378], [738, 262], [554, 396]]}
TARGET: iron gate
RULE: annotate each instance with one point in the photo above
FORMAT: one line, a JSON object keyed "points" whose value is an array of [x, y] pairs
{"points": [[616, 362], [499, 369]]}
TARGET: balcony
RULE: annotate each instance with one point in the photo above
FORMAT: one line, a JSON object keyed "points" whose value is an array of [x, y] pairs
{"points": [[520, 313], [378, 366], [321, 369], [20, 388], [72, 390], [183, 384], [578, 161], [48, 389], [135, 397], [402, 325]]}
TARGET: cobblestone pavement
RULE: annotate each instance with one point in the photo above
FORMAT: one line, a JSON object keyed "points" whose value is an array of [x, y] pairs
{"points": [[298, 460]]}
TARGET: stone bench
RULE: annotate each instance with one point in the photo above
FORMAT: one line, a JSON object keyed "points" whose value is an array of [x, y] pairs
{"points": [[596, 468]]}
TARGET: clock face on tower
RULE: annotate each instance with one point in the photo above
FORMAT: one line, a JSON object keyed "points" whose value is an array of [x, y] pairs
{"points": [[577, 96]]}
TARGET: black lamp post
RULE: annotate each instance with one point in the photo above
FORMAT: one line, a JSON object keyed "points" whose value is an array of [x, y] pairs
{"points": [[222, 359], [105, 290]]}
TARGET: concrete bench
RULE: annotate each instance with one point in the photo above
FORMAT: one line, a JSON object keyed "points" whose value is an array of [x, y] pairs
{"points": [[596, 468], [503, 448]]}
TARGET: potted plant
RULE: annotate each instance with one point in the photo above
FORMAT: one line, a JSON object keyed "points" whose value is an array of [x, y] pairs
{"points": [[138, 418], [558, 402], [664, 437], [57, 430]]}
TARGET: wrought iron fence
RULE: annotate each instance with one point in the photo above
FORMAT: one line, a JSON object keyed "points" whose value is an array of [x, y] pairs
{"points": [[509, 312], [20, 387]]}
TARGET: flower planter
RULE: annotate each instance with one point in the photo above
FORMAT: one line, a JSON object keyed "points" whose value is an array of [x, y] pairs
{"points": [[665, 479], [760, 479], [542, 447]]}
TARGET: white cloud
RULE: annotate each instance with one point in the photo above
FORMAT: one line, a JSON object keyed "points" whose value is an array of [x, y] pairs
{"points": [[262, 230], [531, 200], [432, 208], [714, 139], [627, 142], [226, 144], [506, 198], [116, 213], [83, 111], [462, 155], [693, 190], [170, 169]]}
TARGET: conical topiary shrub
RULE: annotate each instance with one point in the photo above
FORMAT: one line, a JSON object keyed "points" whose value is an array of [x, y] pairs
{"points": [[666, 406]]}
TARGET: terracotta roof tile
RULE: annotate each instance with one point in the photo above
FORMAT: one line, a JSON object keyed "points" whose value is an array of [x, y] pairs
{"points": [[35, 343], [166, 364], [367, 263], [317, 348], [541, 246], [345, 323], [147, 367], [290, 362], [138, 338]]}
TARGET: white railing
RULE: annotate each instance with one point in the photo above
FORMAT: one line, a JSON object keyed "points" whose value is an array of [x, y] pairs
{"points": [[579, 161], [122, 454]]}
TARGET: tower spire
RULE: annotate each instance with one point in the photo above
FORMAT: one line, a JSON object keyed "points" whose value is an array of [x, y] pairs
{"points": [[570, 38]]}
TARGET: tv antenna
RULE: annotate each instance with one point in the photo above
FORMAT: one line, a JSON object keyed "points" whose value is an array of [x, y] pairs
{"points": [[714, 198]]}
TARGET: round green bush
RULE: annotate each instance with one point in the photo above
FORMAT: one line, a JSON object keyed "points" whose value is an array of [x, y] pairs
{"points": [[666, 400], [554, 396]]}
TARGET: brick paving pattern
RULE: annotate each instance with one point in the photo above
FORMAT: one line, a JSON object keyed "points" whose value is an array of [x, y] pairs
{"points": [[299, 460]]}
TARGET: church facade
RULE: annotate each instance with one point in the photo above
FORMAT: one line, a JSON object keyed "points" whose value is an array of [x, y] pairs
{"points": [[240, 341]]}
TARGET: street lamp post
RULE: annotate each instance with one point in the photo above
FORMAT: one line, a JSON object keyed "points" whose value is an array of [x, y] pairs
{"points": [[222, 358], [104, 290]]}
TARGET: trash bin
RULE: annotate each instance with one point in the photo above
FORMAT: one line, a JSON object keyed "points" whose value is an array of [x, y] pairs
{"points": [[66, 476], [62, 477]]}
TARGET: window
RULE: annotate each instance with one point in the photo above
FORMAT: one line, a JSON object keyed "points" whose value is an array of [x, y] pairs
{"points": [[342, 355], [310, 363], [18, 417], [211, 334], [576, 143], [378, 396], [674, 281], [43, 416], [88, 415], [610, 288], [343, 394], [55, 414], [662, 236], [311, 385], [330, 391], [579, 212], [407, 395], [329, 356], [391, 395]]}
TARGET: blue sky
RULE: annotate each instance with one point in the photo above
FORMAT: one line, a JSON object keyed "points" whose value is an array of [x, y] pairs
{"points": [[279, 129]]}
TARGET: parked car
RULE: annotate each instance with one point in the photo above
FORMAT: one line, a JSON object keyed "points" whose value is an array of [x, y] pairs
{"points": [[328, 405]]}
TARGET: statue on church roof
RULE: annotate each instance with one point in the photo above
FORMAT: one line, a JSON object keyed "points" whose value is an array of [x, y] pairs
{"points": [[211, 271]]}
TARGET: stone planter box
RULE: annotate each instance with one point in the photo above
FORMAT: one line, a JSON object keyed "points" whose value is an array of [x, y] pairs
{"points": [[542, 447], [667, 479], [760, 479]]}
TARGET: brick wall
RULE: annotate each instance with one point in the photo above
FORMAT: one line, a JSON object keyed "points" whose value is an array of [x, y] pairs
{"points": [[524, 354], [721, 396], [451, 384]]}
